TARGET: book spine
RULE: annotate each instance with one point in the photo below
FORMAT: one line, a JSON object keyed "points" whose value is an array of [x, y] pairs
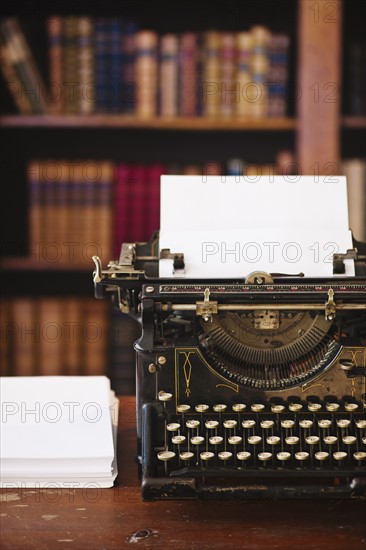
{"points": [[101, 65], [54, 27], [12, 79], [7, 331], [211, 75], [27, 337], [187, 75], [129, 92], [115, 66], [168, 75], [94, 341], [259, 69], [229, 90], [35, 211], [105, 195], [71, 69], [278, 74], [73, 331], [122, 201], [86, 65], [146, 74], [244, 46], [154, 172], [34, 84], [137, 230], [52, 337]]}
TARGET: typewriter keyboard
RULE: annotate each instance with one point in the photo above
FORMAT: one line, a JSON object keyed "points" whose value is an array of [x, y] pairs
{"points": [[295, 436]]}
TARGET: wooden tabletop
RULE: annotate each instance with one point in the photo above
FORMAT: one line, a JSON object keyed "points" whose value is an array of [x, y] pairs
{"points": [[95, 519]]}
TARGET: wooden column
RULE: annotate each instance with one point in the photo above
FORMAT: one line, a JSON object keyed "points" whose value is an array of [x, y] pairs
{"points": [[319, 86]]}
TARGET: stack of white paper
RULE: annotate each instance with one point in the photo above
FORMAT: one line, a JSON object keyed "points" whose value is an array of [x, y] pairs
{"points": [[58, 431]]}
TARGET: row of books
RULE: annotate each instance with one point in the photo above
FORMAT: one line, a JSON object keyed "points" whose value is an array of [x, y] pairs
{"points": [[108, 65], [70, 336], [54, 336]]}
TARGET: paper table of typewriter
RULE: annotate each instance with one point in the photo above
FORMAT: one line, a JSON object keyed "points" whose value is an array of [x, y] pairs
{"points": [[251, 363]]}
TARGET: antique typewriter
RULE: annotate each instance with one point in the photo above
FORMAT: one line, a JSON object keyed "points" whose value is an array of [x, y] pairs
{"points": [[248, 386]]}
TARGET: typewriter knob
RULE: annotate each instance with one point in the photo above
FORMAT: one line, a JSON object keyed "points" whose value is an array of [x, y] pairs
{"points": [[259, 278], [346, 364]]}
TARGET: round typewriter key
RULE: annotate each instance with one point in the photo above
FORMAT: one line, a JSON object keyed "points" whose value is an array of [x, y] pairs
{"points": [[302, 455], [235, 440], [219, 408], [201, 408], [197, 440], [361, 424], [211, 424], [192, 423], [266, 424], [324, 423], [254, 439], [216, 440], [349, 439], [351, 407], [225, 455], [283, 456], [321, 455], [343, 423], [332, 407], [207, 455], [248, 423], [305, 423], [287, 423], [314, 407], [295, 407], [187, 455], [312, 439], [166, 455], [330, 439], [173, 427], [239, 407], [364, 440], [292, 440], [257, 407], [164, 396], [243, 455], [359, 455], [264, 457], [273, 440], [183, 408], [178, 439], [277, 408], [340, 455], [230, 424]]}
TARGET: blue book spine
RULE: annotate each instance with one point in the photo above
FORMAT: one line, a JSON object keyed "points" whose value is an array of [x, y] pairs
{"points": [[101, 65]]}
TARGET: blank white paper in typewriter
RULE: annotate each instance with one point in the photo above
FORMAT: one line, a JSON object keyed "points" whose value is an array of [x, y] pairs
{"points": [[230, 226]]}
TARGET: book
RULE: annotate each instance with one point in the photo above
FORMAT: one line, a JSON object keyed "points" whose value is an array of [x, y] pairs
{"points": [[211, 91], [85, 33], [229, 89], [128, 45], [71, 65], [24, 64], [244, 44], [13, 81], [259, 64], [278, 74], [188, 75], [146, 73], [58, 431], [55, 54], [168, 81], [26, 336]]}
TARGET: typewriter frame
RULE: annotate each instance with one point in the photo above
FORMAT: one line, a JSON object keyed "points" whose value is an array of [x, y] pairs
{"points": [[137, 290]]}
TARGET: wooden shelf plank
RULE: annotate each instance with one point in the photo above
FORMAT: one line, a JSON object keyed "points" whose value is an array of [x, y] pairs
{"points": [[30, 264], [156, 123], [354, 122]]}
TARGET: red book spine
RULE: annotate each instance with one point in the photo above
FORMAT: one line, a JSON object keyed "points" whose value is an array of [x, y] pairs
{"points": [[137, 203], [153, 198], [121, 208]]}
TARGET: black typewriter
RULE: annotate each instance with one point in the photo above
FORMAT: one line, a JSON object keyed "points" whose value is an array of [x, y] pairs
{"points": [[250, 387]]}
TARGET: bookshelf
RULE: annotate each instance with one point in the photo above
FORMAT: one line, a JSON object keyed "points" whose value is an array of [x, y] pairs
{"points": [[318, 127]]}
